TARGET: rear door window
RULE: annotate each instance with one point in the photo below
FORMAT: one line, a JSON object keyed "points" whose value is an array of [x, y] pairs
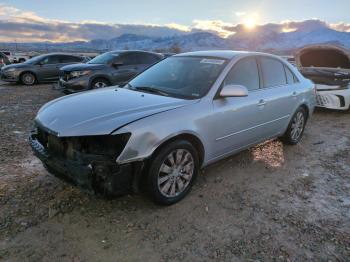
{"points": [[49, 60], [147, 59], [70, 59], [244, 72], [272, 72], [128, 59]]}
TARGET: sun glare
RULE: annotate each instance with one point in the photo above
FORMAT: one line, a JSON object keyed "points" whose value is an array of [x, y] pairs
{"points": [[250, 23]]}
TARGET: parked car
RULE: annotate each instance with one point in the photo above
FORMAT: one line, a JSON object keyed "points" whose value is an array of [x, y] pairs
{"points": [[3, 60], [16, 57], [111, 68], [176, 117], [43, 68], [329, 68]]}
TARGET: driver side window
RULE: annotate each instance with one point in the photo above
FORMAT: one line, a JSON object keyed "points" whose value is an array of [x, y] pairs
{"points": [[244, 72], [50, 60]]}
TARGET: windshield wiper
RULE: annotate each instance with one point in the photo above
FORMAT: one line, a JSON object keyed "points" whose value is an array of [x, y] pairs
{"points": [[149, 89]]}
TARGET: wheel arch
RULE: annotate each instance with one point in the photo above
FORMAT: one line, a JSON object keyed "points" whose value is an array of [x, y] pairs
{"points": [[307, 109], [193, 139]]}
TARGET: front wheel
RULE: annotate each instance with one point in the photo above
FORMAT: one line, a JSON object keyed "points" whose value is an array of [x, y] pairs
{"points": [[99, 83], [172, 172], [296, 127], [28, 79]]}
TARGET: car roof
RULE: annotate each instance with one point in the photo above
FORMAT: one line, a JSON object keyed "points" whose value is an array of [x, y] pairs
{"points": [[132, 51], [56, 53], [223, 54]]}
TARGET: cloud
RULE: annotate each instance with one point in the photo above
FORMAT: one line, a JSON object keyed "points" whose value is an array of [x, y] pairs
{"points": [[25, 26], [240, 13], [341, 27], [215, 26]]}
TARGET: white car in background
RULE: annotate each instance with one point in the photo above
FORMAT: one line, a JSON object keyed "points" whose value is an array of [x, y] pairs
{"points": [[329, 68], [16, 57]]}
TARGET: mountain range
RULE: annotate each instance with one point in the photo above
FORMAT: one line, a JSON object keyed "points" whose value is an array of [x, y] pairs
{"points": [[263, 37]]}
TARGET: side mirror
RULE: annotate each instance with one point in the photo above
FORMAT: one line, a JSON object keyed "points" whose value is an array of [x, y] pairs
{"points": [[117, 64], [234, 91], [40, 63]]}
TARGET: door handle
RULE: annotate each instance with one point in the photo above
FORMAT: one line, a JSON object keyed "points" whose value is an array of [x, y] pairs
{"points": [[262, 102], [294, 94]]}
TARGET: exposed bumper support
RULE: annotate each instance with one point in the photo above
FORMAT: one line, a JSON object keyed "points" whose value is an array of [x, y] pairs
{"points": [[91, 173]]}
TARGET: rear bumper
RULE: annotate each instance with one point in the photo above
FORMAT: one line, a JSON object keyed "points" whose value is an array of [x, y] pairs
{"points": [[91, 174]]}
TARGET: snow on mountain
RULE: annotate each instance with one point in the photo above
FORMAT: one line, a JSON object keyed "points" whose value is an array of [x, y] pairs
{"points": [[287, 36]]}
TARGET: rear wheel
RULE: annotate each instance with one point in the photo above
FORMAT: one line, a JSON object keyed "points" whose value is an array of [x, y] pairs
{"points": [[28, 78], [172, 172], [99, 83], [296, 127]]}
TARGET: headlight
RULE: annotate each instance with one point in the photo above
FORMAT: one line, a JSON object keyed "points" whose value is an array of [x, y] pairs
{"points": [[79, 73], [9, 70]]}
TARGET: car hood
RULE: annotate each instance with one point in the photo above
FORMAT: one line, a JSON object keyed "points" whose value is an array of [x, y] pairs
{"points": [[100, 112], [79, 67], [21, 65]]}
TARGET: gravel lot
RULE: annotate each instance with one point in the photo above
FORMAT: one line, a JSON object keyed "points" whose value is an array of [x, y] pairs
{"points": [[273, 202]]}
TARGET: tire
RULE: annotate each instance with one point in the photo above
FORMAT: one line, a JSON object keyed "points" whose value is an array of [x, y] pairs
{"points": [[28, 79], [170, 179], [99, 83], [296, 127]]}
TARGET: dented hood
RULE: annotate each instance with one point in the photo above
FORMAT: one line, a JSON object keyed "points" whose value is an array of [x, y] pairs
{"points": [[102, 111]]}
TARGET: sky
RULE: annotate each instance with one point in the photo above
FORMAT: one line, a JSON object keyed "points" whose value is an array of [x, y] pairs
{"points": [[183, 15]]}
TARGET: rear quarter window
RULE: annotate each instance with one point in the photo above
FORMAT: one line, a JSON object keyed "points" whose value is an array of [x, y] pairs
{"points": [[291, 78]]}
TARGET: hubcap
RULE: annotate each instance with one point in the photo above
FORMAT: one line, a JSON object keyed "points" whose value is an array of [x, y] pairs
{"points": [[100, 84], [175, 173], [297, 125]]}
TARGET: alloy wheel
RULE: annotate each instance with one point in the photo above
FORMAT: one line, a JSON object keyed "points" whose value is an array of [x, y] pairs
{"points": [[175, 173], [100, 84], [28, 79], [297, 125]]}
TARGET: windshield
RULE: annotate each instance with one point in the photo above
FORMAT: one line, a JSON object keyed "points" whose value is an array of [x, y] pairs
{"points": [[105, 58], [184, 77]]}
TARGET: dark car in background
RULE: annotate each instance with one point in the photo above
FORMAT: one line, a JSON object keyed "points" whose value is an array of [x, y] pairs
{"points": [[111, 68], [43, 68]]}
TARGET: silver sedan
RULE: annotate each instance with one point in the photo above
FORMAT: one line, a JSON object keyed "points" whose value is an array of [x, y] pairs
{"points": [[176, 117]]}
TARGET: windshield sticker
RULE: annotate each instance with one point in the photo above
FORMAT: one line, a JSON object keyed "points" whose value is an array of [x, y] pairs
{"points": [[212, 61]]}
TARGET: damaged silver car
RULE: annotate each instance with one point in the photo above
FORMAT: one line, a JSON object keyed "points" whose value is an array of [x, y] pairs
{"points": [[176, 117], [328, 67]]}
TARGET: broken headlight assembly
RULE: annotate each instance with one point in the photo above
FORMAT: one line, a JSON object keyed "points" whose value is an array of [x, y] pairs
{"points": [[105, 145], [78, 148], [75, 74]]}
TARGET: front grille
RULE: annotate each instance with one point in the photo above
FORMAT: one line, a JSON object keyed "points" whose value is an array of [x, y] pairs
{"points": [[322, 100]]}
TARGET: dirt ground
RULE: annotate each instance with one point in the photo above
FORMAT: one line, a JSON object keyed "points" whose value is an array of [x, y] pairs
{"points": [[273, 202]]}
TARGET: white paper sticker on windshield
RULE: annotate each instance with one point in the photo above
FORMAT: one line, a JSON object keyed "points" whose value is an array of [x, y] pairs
{"points": [[212, 61]]}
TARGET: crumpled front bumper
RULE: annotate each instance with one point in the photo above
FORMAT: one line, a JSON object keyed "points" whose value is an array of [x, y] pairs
{"points": [[9, 76], [91, 174], [74, 85]]}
